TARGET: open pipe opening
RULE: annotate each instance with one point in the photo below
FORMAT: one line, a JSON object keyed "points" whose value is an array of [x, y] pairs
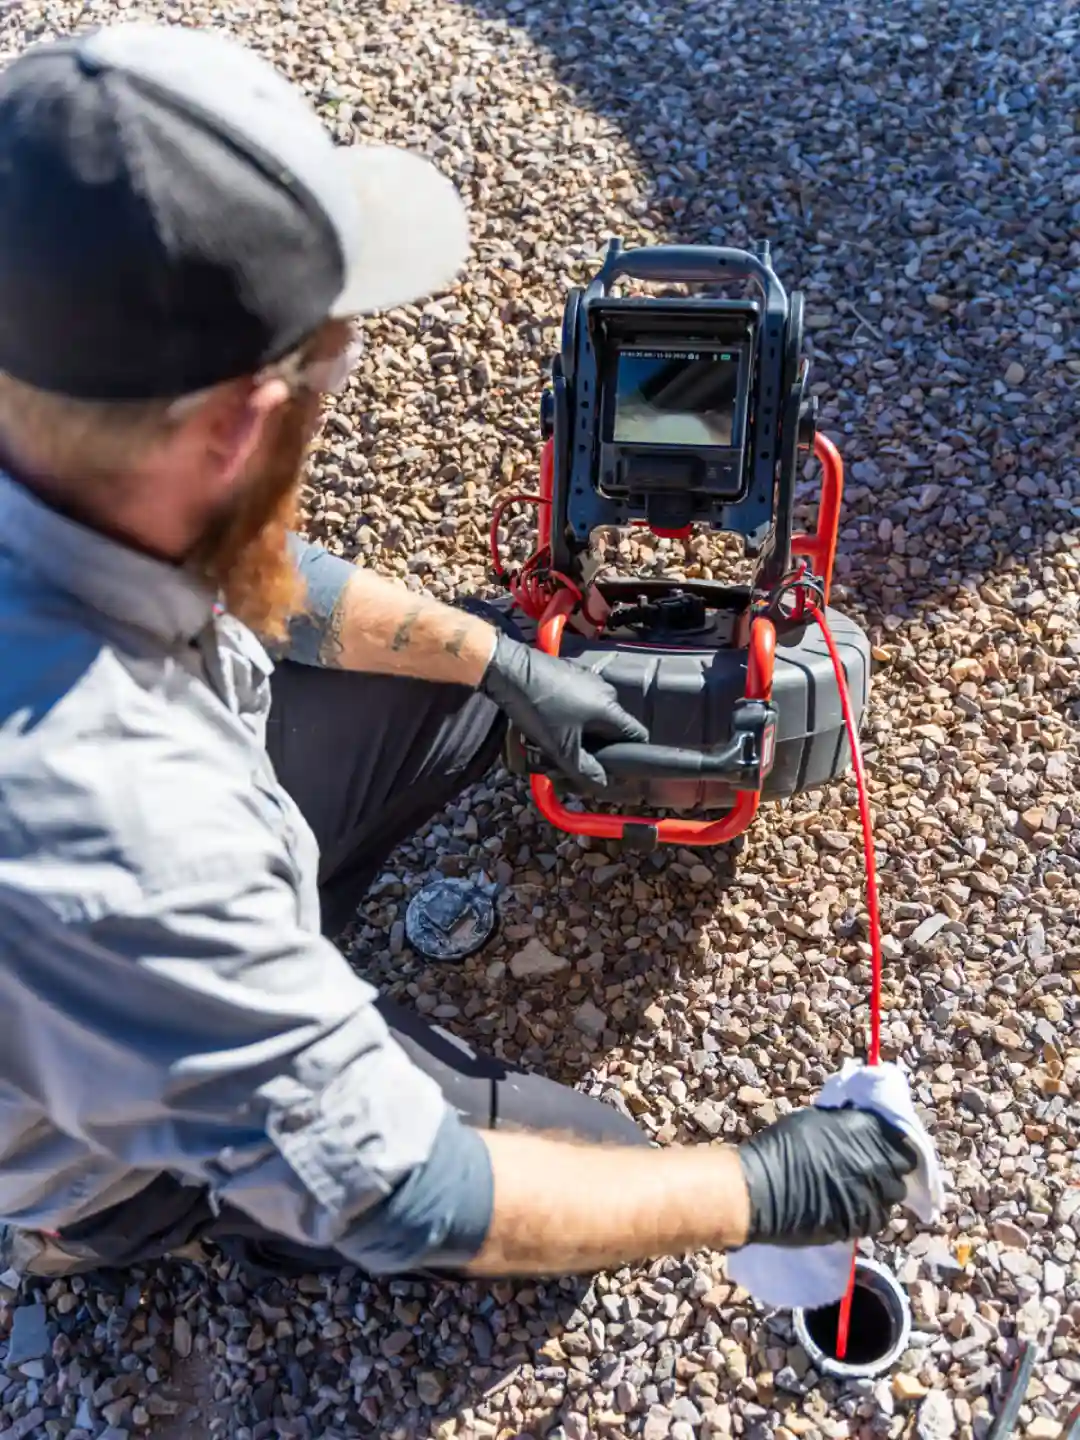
{"points": [[880, 1327]]}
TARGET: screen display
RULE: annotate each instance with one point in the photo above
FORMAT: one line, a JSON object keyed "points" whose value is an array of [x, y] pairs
{"points": [[665, 399]]}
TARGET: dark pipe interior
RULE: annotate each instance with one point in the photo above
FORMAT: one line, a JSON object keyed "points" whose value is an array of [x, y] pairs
{"points": [[873, 1331]]}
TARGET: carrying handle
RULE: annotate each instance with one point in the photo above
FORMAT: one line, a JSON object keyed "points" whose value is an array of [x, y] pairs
{"points": [[692, 265]]}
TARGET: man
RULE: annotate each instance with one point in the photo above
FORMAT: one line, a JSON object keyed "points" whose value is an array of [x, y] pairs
{"points": [[185, 1055]]}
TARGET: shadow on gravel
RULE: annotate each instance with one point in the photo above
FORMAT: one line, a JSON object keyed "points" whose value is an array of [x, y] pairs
{"points": [[189, 1388], [914, 168]]}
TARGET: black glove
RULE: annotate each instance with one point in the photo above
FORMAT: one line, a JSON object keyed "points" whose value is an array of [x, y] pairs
{"points": [[556, 704], [823, 1175]]}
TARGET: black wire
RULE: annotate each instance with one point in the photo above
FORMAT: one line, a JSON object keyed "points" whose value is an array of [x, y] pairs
{"points": [[1014, 1396]]}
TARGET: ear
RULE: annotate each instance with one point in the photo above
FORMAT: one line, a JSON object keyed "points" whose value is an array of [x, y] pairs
{"points": [[237, 427]]}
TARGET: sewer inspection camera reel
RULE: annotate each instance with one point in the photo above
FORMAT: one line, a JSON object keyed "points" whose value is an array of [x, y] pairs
{"points": [[669, 413]]}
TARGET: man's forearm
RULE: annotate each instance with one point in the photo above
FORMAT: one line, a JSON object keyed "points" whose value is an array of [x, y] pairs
{"points": [[563, 1208], [381, 627], [355, 620]]}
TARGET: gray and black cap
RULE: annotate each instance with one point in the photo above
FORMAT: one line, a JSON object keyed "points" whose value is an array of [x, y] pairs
{"points": [[173, 214]]}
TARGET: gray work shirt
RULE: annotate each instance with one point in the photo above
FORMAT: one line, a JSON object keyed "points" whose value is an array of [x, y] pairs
{"points": [[167, 1001]]}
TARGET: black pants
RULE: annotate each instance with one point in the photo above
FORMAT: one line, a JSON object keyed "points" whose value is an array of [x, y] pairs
{"points": [[369, 760]]}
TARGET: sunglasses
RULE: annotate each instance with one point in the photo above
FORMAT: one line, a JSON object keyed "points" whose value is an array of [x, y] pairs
{"points": [[317, 377], [321, 377]]}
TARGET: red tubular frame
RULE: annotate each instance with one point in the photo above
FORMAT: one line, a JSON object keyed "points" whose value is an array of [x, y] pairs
{"points": [[819, 548], [759, 674]]}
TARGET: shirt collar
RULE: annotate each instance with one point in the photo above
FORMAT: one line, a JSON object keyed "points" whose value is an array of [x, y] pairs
{"points": [[102, 573]]}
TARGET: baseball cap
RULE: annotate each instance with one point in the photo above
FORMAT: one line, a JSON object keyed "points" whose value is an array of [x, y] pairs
{"points": [[174, 214]]}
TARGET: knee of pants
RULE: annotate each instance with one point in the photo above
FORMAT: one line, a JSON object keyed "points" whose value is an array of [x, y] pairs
{"points": [[532, 1102], [488, 1093]]}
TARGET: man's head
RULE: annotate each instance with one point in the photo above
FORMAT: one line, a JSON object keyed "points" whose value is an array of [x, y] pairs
{"points": [[183, 251]]}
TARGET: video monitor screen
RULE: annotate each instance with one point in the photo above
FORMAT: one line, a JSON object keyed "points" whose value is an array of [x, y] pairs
{"points": [[665, 399]]}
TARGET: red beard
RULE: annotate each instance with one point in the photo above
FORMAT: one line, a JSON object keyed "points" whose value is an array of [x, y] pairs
{"points": [[244, 554]]}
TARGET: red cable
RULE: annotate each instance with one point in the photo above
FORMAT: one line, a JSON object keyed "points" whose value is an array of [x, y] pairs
{"points": [[496, 520], [873, 913], [534, 584], [532, 591]]}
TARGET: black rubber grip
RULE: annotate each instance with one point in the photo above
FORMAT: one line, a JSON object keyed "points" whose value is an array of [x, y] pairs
{"points": [[637, 761]]}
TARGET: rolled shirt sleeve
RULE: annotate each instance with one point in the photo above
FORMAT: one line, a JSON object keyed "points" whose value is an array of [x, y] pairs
{"points": [[439, 1216], [204, 1033], [325, 576]]}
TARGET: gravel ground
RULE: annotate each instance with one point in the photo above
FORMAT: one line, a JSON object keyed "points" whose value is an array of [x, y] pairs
{"points": [[916, 167]]}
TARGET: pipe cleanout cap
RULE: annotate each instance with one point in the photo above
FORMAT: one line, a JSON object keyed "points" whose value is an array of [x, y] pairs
{"points": [[450, 919]]}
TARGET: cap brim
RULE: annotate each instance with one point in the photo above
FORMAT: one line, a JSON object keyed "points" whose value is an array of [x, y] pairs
{"points": [[410, 231]]}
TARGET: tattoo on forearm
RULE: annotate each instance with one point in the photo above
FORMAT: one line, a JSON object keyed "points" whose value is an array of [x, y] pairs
{"points": [[404, 631], [332, 649], [456, 643]]}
